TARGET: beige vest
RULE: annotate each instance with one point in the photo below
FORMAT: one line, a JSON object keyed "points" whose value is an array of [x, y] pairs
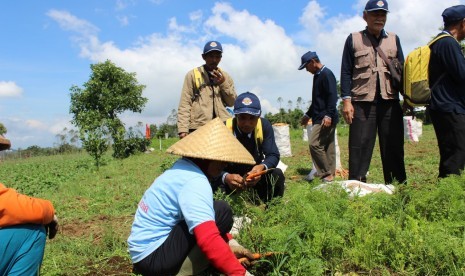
{"points": [[368, 66]]}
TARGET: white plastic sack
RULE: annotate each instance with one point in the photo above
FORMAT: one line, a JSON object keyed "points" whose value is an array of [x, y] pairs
{"points": [[357, 188], [413, 128], [282, 137]]}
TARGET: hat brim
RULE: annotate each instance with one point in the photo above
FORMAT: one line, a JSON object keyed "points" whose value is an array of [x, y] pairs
{"points": [[213, 141], [377, 9], [211, 50], [303, 65], [250, 111], [4, 144]]}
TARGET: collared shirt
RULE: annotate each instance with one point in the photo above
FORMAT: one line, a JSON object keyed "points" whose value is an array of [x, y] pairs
{"points": [[348, 61]]}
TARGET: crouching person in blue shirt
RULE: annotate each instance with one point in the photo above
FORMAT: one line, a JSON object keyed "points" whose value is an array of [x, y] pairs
{"points": [[178, 228]]}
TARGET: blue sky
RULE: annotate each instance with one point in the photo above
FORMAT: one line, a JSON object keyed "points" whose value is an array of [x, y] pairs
{"points": [[48, 46]]}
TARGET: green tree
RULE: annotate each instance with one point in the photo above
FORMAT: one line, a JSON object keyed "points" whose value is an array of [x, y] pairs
{"points": [[2, 129], [109, 92]]}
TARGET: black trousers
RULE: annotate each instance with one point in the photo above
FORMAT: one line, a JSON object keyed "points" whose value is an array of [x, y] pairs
{"points": [[270, 185], [168, 258], [450, 133], [385, 118]]}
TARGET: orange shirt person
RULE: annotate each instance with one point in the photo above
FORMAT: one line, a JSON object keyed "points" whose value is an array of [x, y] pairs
{"points": [[24, 224]]}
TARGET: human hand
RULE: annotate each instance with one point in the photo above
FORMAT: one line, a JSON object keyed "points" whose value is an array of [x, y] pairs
{"points": [[52, 228], [251, 178], [241, 252], [218, 77], [348, 111], [326, 122], [235, 182], [304, 120]]}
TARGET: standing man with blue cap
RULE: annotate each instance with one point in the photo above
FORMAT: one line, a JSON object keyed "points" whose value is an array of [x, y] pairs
{"points": [[257, 136], [323, 113], [447, 106], [370, 101], [206, 92]]}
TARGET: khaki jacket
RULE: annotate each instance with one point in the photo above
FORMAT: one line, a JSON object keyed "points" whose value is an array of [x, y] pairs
{"points": [[196, 108], [368, 66]]}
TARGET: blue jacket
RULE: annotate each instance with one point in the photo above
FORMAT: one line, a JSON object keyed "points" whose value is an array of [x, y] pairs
{"points": [[449, 93], [324, 97]]}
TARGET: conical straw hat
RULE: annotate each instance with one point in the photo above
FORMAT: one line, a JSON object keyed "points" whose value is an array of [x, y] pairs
{"points": [[213, 141], [4, 143]]}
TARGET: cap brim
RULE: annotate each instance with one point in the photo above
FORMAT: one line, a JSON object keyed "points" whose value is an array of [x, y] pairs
{"points": [[377, 9], [302, 66], [251, 111], [211, 50]]}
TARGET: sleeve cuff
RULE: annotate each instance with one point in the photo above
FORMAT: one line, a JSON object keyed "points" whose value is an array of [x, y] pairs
{"points": [[223, 177]]}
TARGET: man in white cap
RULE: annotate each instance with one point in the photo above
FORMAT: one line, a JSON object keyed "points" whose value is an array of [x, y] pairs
{"points": [[24, 224], [206, 92], [370, 100], [178, 228]]}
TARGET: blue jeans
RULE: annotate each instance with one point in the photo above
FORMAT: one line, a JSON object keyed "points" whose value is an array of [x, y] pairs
{"points": [[21, 249]]}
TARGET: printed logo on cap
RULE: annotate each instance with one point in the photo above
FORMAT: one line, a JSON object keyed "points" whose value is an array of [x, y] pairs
{"points": [[246, 101], [213, 44], [380, 4]]}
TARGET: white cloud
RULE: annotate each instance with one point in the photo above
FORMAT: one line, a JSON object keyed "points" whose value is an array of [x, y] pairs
{"points": [[10, 89], [123, 20], [69, 22]]}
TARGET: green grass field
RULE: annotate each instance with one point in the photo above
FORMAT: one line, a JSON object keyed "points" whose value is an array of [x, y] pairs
{"points": [[420, 230]]}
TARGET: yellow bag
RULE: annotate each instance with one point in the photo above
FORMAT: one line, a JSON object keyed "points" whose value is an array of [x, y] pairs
{"points": [[417, 91]]}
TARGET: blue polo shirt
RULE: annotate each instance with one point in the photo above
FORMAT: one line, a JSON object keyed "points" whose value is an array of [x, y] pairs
{"points": [[182, 193]]}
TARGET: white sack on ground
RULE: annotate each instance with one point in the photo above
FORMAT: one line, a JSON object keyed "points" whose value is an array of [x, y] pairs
{"points": [[282, 166], [282, 137], [357, 188], [413, 128]]}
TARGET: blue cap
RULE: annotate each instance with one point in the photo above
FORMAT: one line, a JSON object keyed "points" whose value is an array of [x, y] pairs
{"points": [[376, 5], [212, 46], [454, 13], [247, 103], [306, 59]]}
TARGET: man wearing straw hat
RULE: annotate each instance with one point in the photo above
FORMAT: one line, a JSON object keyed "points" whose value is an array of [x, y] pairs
{"points": [[24, 224], [178, 228], [246, 126]]}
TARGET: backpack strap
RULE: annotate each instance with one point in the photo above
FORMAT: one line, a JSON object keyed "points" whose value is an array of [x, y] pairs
{"points": [[437, 38], [259, 133], [429, 45], [198, 78]]}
